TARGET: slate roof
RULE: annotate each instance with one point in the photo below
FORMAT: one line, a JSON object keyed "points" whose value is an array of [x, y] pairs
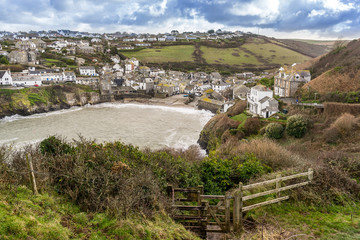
{"points": [[264, 99], [261, 88], [2, 73]]}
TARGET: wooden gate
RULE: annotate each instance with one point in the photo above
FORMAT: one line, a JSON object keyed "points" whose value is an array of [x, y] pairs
{"points": [[198, 212]]}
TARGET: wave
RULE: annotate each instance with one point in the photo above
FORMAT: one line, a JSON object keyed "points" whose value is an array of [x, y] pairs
{"points": [[17, 117], [184, 110], [8, 141], [205, 115]]}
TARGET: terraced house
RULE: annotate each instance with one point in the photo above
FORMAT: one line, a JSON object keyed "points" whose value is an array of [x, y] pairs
{"points": [[289, 79]]}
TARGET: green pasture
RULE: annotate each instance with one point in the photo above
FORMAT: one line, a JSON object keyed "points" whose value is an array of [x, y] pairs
{"points": [[275, 54], [231, 56], [180, 53]]}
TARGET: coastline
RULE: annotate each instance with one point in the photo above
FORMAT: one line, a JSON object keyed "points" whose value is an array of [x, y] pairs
{"points": [[173, 101]]}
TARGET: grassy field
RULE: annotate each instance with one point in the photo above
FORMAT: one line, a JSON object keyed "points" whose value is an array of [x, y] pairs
{"points": [[275, 54], [312, 222], [231, 56], [179, 53], [50, 216]]}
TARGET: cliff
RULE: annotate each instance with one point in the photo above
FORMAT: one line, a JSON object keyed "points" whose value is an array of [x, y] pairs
{"points": [[29, 101], [337, 70]]}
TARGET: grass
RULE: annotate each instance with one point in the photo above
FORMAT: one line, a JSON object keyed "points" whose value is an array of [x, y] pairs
{"points": [[275, 54], [180, 53], [330, 222], [50, 216], [241, 118], [231, 56]]}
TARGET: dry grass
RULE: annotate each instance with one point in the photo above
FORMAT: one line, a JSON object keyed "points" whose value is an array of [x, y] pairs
{"points": [[345, 123], [336, 109], [268, 151], [331, 81], [342, 127], [238, 108]]}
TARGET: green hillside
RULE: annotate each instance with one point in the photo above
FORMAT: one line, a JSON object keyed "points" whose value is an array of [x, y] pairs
{"points": [[275, 54], [180, 53], [232, 55]]}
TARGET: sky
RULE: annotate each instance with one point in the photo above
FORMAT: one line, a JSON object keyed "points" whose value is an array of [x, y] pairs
{"points": [[307, 19]]}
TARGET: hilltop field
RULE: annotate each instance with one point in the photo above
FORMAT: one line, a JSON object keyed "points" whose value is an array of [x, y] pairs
{"points": [[249, 53]]}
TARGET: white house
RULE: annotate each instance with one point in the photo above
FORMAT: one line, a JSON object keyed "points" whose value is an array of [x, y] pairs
{"points": [[220, 87], [87, 71], [69, 76], [261, 101], [5, 77], [146, 84], [23, 79], [115, 59]]}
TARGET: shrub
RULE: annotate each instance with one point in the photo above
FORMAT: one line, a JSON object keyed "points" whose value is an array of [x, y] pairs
{"points": [[238, 108], [250, 168], [268, 151], [54, 146], [215, 174], [331, 135], [344, 124], [274, 130], [252, 126], [296, 126]]}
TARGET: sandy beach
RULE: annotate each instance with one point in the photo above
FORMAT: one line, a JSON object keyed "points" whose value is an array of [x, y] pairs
{"points": [[173, 101]]}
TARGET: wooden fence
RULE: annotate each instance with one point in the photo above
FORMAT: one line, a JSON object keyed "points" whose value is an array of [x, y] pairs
{"points": [[197, 211]]}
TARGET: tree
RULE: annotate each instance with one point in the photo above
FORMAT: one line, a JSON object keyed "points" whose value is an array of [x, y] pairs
{"points": [[296, 126], [211, 31], [113, 50], [3, 60]]}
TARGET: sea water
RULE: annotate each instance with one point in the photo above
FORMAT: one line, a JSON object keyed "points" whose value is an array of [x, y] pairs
{"points": [[141, 125]]}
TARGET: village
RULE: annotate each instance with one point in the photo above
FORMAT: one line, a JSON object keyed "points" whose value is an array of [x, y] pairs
{"points": [[118, 78]]}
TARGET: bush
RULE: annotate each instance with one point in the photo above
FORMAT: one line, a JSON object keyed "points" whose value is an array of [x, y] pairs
{"points": [[274, 130], [54, 146], [331, 135], [268, 151], [252, 126], [296, 126], [238, 108], [344, 124], [250, 168]]}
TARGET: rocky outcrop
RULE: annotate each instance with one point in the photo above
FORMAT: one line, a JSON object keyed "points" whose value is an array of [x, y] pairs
{"points": [[214, 129], [45, 99]]}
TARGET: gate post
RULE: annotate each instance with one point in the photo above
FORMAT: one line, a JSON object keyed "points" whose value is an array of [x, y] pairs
{"points": [[241, 225], [204, 221], [227, 212], [236, 211]]}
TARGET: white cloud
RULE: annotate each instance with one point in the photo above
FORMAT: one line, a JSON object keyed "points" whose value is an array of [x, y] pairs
{"points": [[342, 26], [315, 13], [158, 9], [337, 6], [265, 10]]}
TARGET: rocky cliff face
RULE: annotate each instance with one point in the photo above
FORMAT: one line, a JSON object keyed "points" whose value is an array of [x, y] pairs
{"points": [[38, 100]]}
